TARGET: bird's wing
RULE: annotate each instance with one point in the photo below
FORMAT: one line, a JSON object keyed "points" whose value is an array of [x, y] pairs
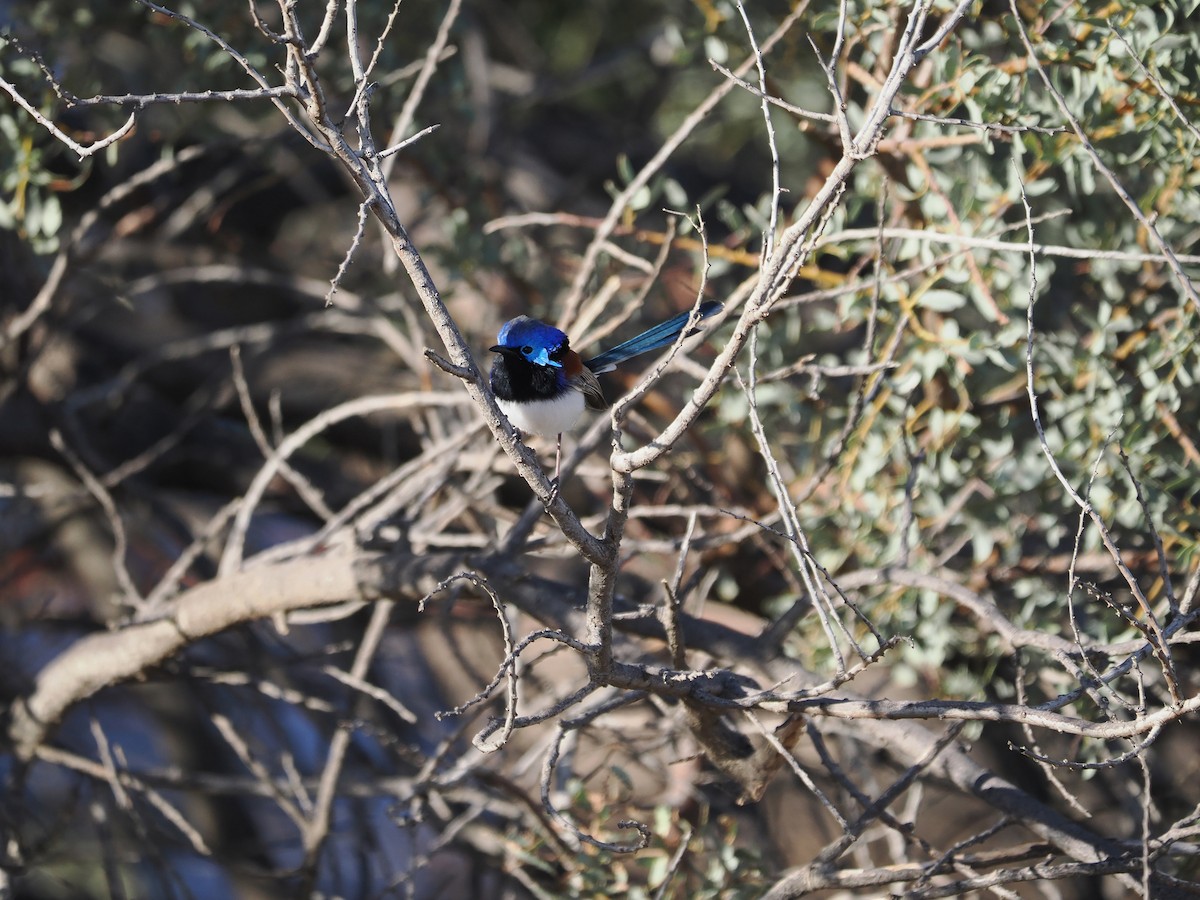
{"points": [[589, 385]]}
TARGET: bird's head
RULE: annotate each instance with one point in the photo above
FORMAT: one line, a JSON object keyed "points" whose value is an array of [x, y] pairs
{"points": [[534, 342]]}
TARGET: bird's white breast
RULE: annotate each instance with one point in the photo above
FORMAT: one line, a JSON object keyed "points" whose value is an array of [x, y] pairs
{"points": [[545, 417]]}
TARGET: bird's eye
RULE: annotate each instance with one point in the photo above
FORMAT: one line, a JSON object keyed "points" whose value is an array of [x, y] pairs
{"points": [[527, 349]]}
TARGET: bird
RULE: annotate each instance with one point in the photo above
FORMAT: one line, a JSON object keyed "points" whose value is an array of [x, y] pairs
{"points": [[543, 386]]}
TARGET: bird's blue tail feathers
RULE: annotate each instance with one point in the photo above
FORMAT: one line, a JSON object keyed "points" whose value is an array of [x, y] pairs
{"points": [[651, 339]]}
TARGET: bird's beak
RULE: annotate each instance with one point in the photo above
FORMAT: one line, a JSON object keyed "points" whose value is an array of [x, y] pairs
{"points": [[499, 349]]}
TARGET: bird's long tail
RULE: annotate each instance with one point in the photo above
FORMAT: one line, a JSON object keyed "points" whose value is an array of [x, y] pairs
{"points": [[651, 339]]}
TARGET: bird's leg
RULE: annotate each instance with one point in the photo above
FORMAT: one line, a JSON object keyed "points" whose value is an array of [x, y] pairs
{"points": [[557, 464]]}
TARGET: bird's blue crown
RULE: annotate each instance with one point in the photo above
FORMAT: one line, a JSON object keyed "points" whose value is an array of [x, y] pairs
{"points": [[536, 340]]}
